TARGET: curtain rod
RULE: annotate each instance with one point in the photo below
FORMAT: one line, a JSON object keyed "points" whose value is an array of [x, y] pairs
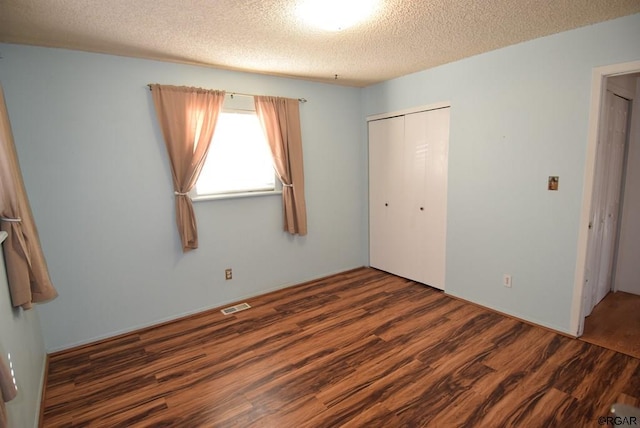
{"points": [[302, 100]]}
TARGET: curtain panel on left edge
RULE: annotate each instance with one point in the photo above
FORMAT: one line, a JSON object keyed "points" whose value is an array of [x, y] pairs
{"points": [[187, 117], [27, 271]]}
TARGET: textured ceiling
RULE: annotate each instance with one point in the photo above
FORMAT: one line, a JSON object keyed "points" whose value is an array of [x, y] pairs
{"points": [[266, 36]]}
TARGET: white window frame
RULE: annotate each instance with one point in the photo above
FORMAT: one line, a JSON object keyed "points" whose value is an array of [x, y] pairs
{"points": [[238, 105]]}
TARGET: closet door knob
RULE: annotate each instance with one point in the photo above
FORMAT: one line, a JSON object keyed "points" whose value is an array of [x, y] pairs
{"points": [[421, 208], [386, 204]]}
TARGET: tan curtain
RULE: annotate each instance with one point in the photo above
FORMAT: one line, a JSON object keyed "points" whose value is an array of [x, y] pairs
{"points": [[8, 391], [27, 272], [280, 119], [187, 117]]}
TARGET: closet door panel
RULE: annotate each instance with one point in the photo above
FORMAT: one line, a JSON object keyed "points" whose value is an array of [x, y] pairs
{"points": [[415, 153], [385, 176], [435, 194]]}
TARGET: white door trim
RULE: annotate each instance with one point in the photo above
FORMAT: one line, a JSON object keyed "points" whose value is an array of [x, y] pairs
{"points": [[597, 91], [411, 110]]}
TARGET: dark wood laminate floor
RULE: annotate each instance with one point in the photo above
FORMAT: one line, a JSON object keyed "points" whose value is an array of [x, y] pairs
{"points": [[362, 348]]}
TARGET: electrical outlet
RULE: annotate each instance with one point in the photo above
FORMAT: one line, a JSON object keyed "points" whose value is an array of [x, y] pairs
{"points": [[228, 274], [506, 280]]}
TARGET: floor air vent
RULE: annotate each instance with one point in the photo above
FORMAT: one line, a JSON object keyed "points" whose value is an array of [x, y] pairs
{"points": [[234, 309]]}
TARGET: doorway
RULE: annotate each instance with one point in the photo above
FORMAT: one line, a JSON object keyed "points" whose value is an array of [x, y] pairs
{"points": [[603, 218], [605, 225]]}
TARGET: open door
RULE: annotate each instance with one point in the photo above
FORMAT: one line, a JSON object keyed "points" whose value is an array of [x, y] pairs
{"points": [[604, 167], [603, 226]]}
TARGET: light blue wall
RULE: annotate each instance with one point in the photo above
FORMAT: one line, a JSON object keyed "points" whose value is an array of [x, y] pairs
{"points": [[96, 171], [519, 115], [21, 338]]}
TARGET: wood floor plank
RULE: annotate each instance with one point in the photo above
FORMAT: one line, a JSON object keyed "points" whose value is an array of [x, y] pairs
{"points": [[515, 408], [274, 413], [360, 348], [615, 323], [402, 382]]}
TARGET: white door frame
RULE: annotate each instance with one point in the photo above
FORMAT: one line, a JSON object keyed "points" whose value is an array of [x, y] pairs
{"points": [[597, 95]]}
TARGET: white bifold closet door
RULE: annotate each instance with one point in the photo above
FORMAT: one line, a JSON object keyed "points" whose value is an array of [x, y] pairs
{"points": [[386, 165], [408, 158]]}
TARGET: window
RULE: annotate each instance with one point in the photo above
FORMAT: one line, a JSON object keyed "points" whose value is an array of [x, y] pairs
{"points": [[239, 160]]}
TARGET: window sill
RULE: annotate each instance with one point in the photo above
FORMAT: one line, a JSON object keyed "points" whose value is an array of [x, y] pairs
{"points": [[234, 195]]}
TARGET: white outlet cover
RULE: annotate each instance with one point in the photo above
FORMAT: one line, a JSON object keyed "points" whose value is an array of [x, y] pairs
{"points": [[506, 280]]}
